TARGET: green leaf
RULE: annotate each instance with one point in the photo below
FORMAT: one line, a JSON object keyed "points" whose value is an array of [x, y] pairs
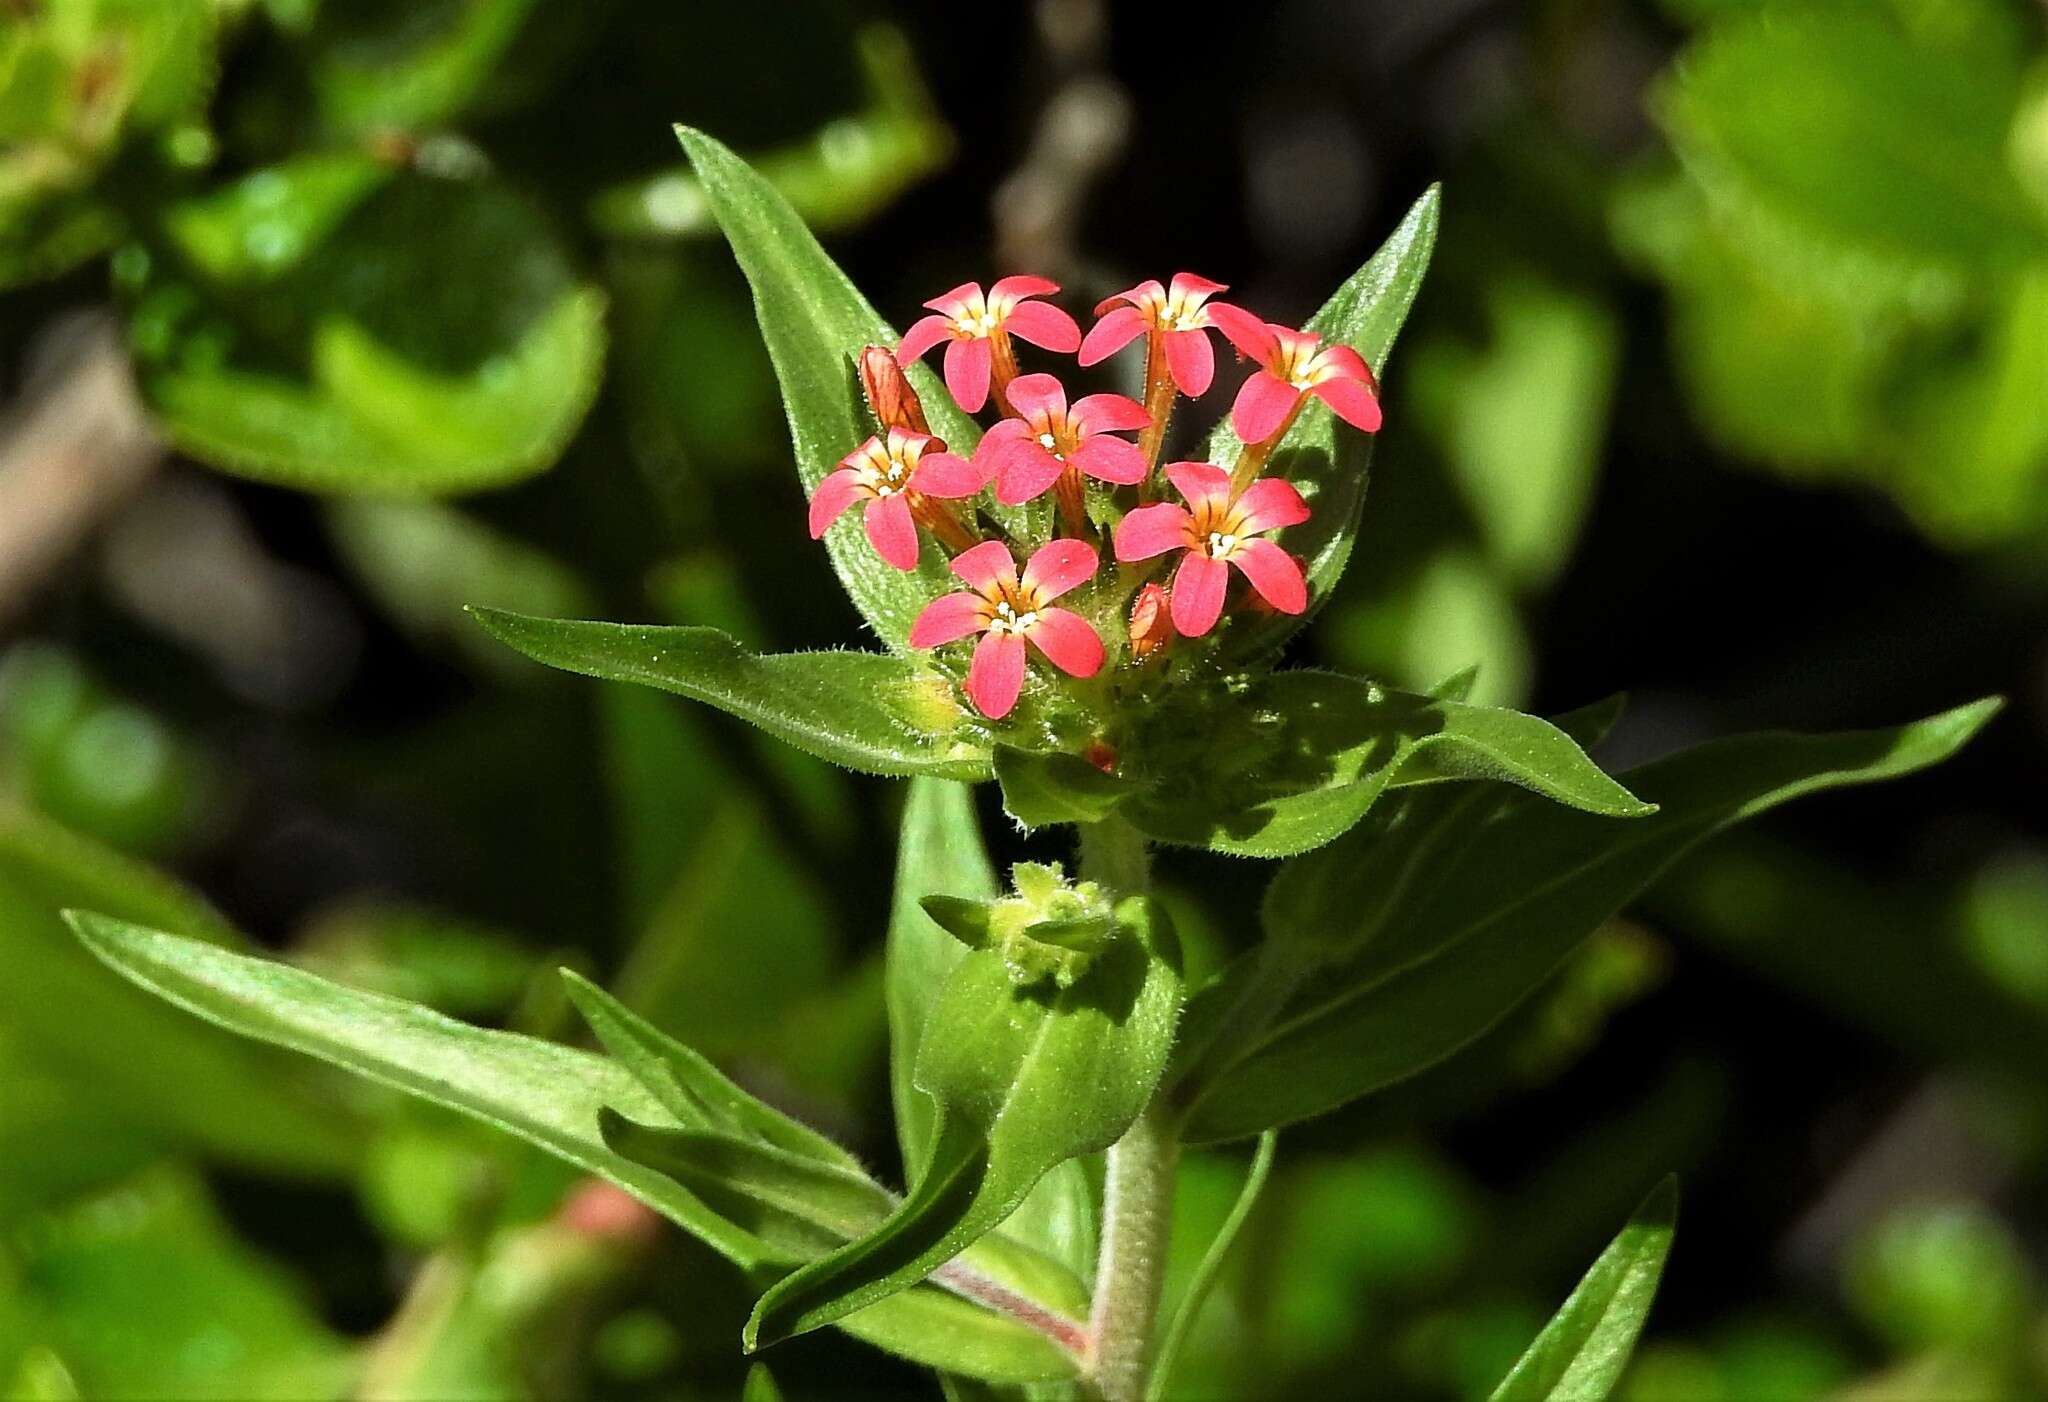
{"points": [[372, 421], [1042, 789], [838, 178], [815, 323], [1327, 459], [413, 76], [1580, 1354], [1023, 1081], [688, 1086], [124, 1057], [1208, 1268], [1428, 923], [408, 335], [756, 1184], [1300, 757], [865, 710], [548, 1095], [940, 857], [1833, 122], [761, 1385]]}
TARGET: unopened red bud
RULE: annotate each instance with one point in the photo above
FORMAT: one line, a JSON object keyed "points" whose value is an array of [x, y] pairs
{"points": [[1151, 623], [1101, 756], [605, 1212], [894, 402]]}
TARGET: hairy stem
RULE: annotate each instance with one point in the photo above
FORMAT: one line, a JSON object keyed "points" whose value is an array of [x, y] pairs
{"points": [[1252, 461], [1137, 1205], [1159, 392], [1137, 1218], [965, 1281]]}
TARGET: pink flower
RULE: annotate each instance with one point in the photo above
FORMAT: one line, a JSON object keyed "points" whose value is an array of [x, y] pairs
{"points": [[1027, 454], [967, 321], [1219, 532], [889, 474], [1293, 363], [1008, 612], [1176, 312]]}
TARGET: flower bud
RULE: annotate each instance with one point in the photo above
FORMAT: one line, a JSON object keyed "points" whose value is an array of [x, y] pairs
{"points": [[1151, 626], [894, 402]]}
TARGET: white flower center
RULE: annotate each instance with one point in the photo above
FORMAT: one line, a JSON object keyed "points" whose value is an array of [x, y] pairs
{"points": [[1221, 544], [967, 324], [1008, 620], [988, 320], [1046, 440]]}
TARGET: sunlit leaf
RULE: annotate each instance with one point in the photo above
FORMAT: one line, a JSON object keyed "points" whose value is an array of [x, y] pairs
{"points": [[867, 711], [1325, 458]]}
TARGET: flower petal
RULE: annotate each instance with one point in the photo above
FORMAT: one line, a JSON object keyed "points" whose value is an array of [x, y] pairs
{"points": [[1026, 473], [947, 475], [924, 333], [1249, 334], [1192, 360], [949, 618], [1191, 285], [996, 674], [955, 302], [1198, 588], [1268, 505], [1067, 641], [1110, 413], [1023, 285], [1056, 567], [1118, 328], [986, 566], [891, 531], [1353, 402], [1006, 437], [1043, 324], [1341, 361], [1038, 397], [837, 492], [967, 367], [1263, 404], [1148, 291], [1273, 573], [1152, 530], [1200, 482], [1109, 459]]}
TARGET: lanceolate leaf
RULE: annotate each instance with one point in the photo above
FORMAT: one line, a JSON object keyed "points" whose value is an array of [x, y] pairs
{"points": [[1325, 458], [1580, 1354], [865, 710], [1452, 903], [549, 1095], [1303, 755], [815, 323], [1024, 1080]]}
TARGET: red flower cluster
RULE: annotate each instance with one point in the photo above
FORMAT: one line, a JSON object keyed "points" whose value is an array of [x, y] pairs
{"points": [[904, 478]]}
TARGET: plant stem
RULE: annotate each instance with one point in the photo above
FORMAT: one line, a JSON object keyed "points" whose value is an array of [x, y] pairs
{"points": [[1137, 1218], [1137, 1205]]}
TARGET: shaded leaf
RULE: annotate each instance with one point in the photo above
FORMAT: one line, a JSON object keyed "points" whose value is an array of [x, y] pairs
{"points": [[1023, 1080], [1450, 905], [1041, 789], [865, 710], [1301, 756], [1580, 1354]]}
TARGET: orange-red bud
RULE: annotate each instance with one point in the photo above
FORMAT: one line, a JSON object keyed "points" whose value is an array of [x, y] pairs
{"points": [[894, 402], [1151, 624]]}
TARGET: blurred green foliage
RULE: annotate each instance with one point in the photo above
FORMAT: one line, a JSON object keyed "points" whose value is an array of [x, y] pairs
{"points": [[392, 253]]}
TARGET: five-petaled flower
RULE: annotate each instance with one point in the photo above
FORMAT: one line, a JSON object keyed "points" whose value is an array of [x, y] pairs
{"points": [[1009, 612], [1176, 312], [1029, 453], [890, 473], [1293, 363], [974, 326], [1219, 531]]}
